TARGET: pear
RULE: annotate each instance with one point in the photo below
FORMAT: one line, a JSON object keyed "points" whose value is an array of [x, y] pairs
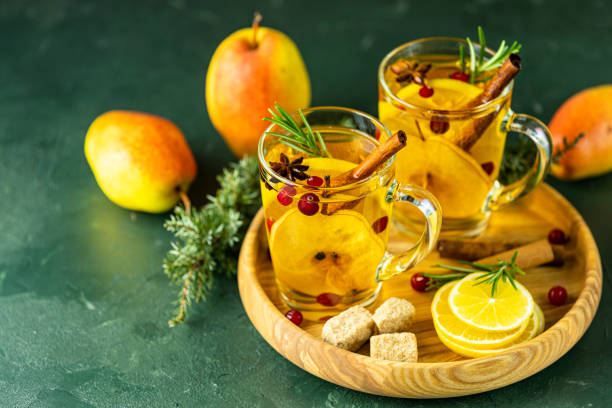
{"points": [[140, 161], [251, 70]]}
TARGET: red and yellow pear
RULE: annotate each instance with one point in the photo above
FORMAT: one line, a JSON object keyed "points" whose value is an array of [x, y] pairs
{"points": [[251, 70], [140, 161]]}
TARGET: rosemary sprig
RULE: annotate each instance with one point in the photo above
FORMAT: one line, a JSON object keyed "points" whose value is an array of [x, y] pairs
{"points": [[493, 273], [300, 138], [207, 239], [478, 65], [567, 146]]}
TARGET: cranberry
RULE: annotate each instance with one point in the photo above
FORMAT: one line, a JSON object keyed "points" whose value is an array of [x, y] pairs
{"points": [[377, 134], [419, 282], [488, 167], [557, 237], [285, 194], [269, 223], [460, 76], [309, 204], [557, 295], [439, 124], [329, 299], [295, 316], [314, 181], [426, 91], [380, 224]]}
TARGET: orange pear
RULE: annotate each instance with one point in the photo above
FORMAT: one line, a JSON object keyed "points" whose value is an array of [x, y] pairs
{"points": [[141, 162], [251, 70]]}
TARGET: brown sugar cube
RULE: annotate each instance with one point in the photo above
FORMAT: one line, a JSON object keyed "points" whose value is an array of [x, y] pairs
{"points": [[395, 315], [395, 347], [350, 329]]}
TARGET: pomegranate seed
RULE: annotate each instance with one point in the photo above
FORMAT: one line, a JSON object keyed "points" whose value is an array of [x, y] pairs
{"points": [[329, 299], [419, 282], [460, 76], [426, 91], [377, 134], [309, 204], [557, 295], [488, 167], [285, 194], [295, 316], [439, 124], [269, 223], [557, 237], [380, 224], [315, 181]]}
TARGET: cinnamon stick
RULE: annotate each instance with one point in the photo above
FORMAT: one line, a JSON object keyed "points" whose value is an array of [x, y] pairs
{"points": [[531, 255], [366, 168], [494, 87], [471, 251]]}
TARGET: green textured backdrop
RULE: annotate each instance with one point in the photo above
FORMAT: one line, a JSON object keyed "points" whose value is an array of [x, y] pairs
{"points": [[83, 301]]}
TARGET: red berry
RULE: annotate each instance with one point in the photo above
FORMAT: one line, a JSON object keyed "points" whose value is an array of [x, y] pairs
{"points": [[329, 299], [426, 91], [439, 124], [460, 76], [488, 167], [557, 237], [269, 223], [315, 181], [419, 282], [309, 204], [377, 134], [557, 295], [295, 316], [380, 224], [285, 194]]}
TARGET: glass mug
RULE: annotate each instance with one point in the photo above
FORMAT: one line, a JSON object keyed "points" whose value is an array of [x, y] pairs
{"points": [[328, 244], [464, 181]]}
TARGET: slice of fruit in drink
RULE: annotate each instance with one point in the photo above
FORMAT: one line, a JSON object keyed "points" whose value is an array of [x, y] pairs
{"points": [[457, 331], [474, 305], [449, 94], [448, 172], [322, 253]]}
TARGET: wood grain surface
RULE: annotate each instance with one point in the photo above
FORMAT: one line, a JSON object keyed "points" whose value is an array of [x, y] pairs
{"points": [[440, 372]]}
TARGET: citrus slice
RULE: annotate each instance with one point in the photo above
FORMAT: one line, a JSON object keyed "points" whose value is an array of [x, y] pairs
{"points": [[534, 325], [445, 170], [474, 305], [449, 94], [316, 254], [457, 331]]}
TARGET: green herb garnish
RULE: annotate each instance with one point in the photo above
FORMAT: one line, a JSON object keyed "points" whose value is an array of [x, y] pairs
{"points": [[208, 239], [299, 138], [567, 146], [506, 271], [478, 66]]}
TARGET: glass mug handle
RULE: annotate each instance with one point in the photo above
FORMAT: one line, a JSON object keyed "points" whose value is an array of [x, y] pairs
{"points": [[429, 206], [537, 131]]}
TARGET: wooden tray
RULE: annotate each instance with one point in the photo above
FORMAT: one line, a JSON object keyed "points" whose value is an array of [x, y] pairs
{"points": [[439, 372]]}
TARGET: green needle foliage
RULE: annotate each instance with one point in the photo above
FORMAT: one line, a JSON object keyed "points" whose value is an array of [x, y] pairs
{"points": [[208, 239], [478, 65], [493, 273]]}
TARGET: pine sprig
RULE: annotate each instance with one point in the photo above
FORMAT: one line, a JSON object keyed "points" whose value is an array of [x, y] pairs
{"points": [[299, 138], [478, 65], [207, 239], [493, 273]]}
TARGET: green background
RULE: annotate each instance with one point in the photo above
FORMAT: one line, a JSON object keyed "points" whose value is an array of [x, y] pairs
{"points": [[83, 300]]}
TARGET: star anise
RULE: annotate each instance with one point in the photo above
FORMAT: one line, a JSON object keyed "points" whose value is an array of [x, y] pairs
{"points": [[407, 72], [291, 170]]}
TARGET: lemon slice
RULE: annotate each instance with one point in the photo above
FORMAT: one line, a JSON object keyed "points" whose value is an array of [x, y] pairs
{"points": [[335, 253], [457, 331], [449, 94], [473, 304], [534, 327]]}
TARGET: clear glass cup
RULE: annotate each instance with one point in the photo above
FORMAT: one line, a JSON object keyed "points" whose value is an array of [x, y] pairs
{"points": [[328, 244], [465, 180]]}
